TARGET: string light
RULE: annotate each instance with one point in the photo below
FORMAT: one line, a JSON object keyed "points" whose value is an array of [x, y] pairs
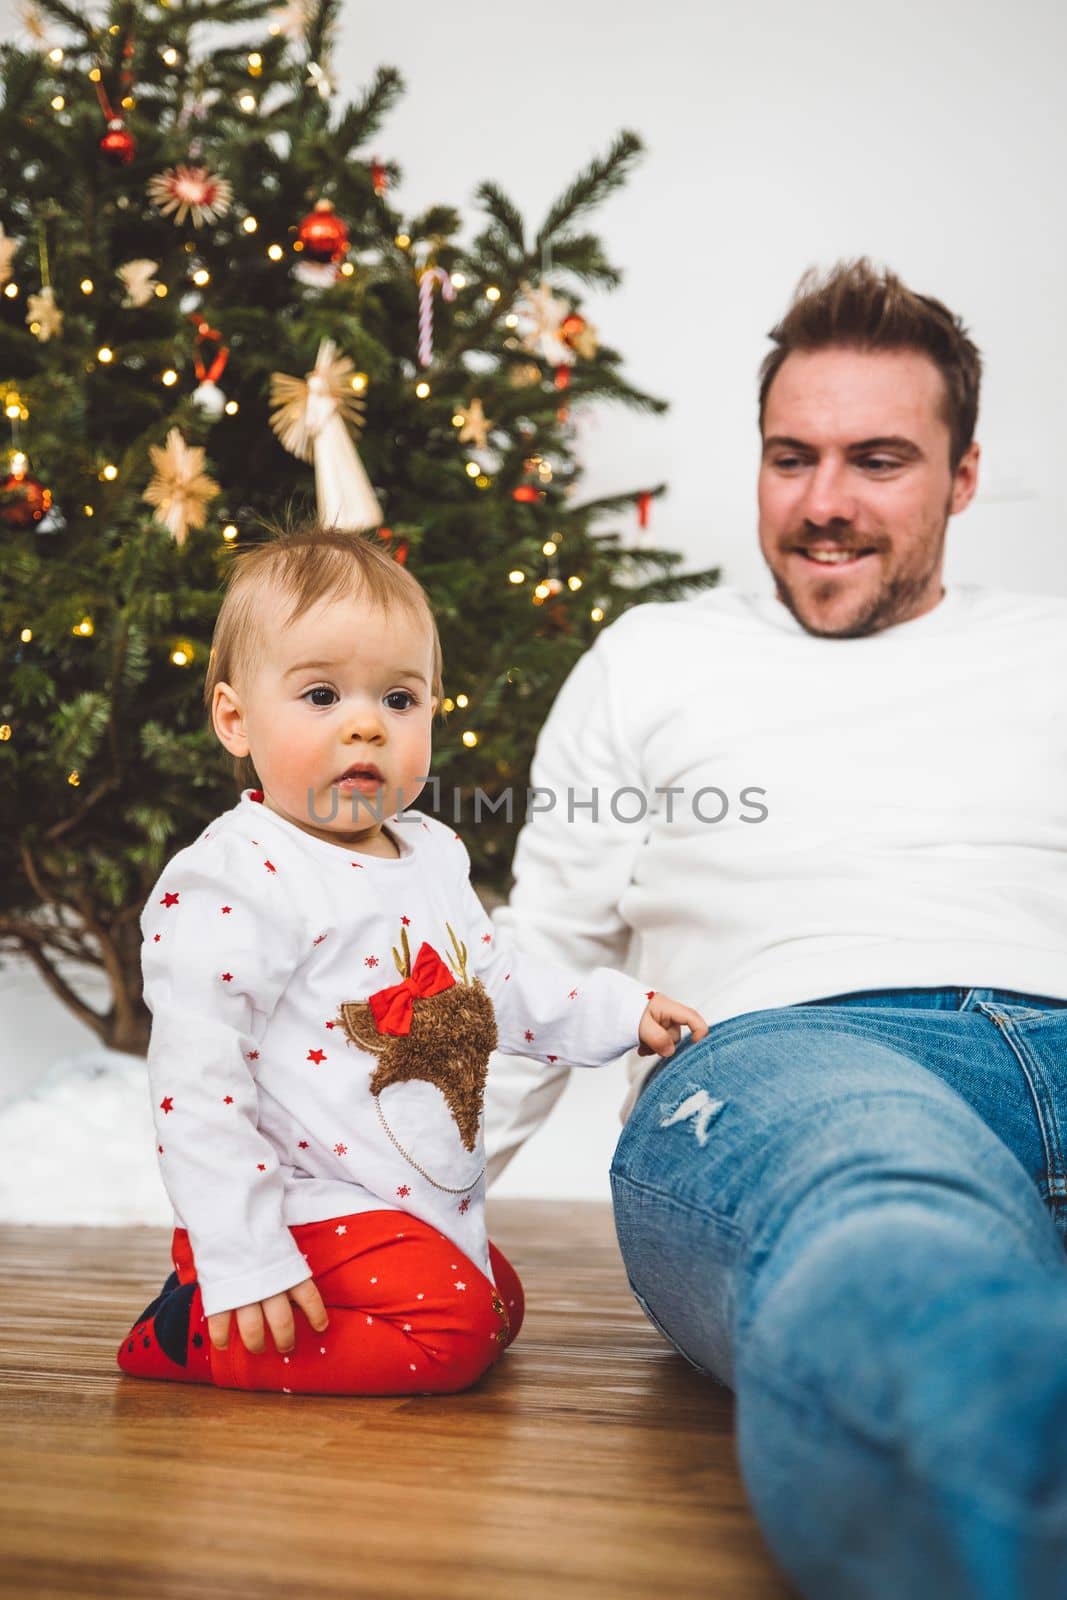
{"points": [[94, 74], [13, 409], [458, 281], [470, 739], [548, 548], [87, 511], [86, 286], [462, 701], [473, 469], [515, 576], [74, 779], [596, 614], [105, 354], [230, 531], [448, 704], [55, 56], [182, 654], [84, 627], [169, 378], [5, 730], [359, 381], [458, 420], [58, 102], [247, 102], [201, 276], [492, 293], [170, 56], [255, 64], [482, 482], [161, 291], [422, 390], [110, 472], [511, 321], [231, 408], [347, 269], [574, 583], [275, 252], [127, 102], [250, 225], [26, 635], [11, 290]]}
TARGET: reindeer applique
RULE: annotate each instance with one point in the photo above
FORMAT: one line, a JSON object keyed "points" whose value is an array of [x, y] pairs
{"points": [[432, 1026]]}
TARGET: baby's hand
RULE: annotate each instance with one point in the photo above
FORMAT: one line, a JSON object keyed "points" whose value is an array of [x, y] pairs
{"points": [[279, 1317], [661, 1022]]}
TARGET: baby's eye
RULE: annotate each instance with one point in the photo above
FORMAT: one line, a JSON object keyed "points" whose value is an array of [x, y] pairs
{"points": [[400, 700], [320, 689]]}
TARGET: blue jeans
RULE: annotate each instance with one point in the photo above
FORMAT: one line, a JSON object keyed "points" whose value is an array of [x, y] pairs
{"points": [[853, 1212]]}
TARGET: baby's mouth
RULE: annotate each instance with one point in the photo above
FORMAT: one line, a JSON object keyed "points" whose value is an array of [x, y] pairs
{"points": [[364, 776]]}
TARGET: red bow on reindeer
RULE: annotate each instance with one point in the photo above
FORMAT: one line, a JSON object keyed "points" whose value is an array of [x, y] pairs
{"points": [[393, 1007]]}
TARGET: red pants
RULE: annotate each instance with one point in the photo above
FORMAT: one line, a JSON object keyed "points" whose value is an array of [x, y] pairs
{"points": [[409, 1314]]}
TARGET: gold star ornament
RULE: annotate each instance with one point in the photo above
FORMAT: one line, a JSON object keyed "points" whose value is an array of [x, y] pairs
{"points": [[181, 488]]}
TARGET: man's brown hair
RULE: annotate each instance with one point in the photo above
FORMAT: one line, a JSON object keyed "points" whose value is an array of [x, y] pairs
{"points": [[307, 564], [856, 305]]}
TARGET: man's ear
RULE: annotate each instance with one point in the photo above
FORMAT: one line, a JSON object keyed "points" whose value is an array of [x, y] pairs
{"points": [[965, 481], [228, 719]]}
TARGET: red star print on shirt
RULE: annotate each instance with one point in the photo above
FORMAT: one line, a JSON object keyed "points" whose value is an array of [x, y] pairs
{"points": [[319, 940], [331, 1024], [340, 1149], [487, 938], [650, 994], [261, 1166], [406, 921], [226, 910], [318, 1056], [167, 1103], [253, 1055], [528, 1036], [552, 1058], [302, 1145], [227, 977], [370, 961], [573, 995], [227, 1099], [403, 1191], [270, 866], [169, 899], [465, 1205], [155, 938]]}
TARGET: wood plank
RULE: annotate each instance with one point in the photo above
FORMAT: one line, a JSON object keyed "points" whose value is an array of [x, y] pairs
{"points": [[591, 1462]]}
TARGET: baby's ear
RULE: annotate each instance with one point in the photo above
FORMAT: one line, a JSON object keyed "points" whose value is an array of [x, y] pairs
{"points": [[228, 720]]}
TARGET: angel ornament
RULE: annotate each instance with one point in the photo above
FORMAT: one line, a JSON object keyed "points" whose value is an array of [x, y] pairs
{"points": [[314, 418], [437, 1026]]}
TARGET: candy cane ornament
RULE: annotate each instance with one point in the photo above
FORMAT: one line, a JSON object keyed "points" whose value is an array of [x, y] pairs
{"points": [[430, 276]]}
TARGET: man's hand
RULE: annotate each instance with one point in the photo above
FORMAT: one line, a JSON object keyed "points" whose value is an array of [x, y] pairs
{"points": [[279, 1316], [661, 1025]]}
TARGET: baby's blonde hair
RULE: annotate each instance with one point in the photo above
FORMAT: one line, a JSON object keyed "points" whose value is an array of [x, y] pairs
{"points": [[309, 564]]}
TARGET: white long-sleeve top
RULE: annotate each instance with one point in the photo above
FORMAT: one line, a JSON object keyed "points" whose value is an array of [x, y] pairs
{"points": [[849, 814], [262, 947]]}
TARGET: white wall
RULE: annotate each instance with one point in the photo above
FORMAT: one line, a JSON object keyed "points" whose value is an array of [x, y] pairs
{"points": [[929, 135]]}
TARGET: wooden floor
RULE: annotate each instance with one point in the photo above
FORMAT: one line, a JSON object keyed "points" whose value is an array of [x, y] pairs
{"points": [[593, 1462]]}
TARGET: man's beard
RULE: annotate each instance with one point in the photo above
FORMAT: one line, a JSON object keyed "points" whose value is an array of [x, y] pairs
{"points": [[892, 603]]}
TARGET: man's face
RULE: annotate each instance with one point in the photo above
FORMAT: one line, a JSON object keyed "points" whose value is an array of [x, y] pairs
{"points": [[855, 488]]}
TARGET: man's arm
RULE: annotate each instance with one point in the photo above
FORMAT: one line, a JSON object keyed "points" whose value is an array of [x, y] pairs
{"points": [[572, 866]]}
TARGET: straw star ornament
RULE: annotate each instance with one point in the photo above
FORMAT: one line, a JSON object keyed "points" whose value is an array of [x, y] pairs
{"points": [[181, 488], [194, 191]]}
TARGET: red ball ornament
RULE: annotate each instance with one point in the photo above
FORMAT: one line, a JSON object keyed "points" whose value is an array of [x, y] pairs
{"points": [[571, 328], [526, 494], [24, 501], [117, 145], [323, 234]]}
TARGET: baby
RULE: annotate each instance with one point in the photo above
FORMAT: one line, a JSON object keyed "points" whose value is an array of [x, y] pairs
{"points": [[325, 991]]}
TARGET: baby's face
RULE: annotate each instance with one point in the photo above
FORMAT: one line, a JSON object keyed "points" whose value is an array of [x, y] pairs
{"points": [[344, 690]]}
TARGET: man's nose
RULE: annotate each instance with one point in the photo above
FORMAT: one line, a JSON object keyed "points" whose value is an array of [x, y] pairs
{"points": [[829, 497]]}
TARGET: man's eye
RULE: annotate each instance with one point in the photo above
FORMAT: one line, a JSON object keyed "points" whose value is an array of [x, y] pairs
{"points": [[405, 698], [879, 463], [321, 689], [787, 462]]}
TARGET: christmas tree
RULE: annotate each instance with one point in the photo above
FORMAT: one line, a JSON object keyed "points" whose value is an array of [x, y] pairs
{"points": [[199, 249]]}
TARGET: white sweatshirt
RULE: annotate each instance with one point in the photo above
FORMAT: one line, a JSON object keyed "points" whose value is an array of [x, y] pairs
{"points": [[893, 812], [282, 1092]]}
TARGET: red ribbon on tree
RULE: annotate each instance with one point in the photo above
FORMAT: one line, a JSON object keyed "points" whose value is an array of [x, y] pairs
{"points": [[644, 500], [206, 334], [393, 1008]]}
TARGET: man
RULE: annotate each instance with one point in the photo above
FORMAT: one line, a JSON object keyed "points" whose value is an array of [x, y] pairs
{"points": [[849, 1202]]}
